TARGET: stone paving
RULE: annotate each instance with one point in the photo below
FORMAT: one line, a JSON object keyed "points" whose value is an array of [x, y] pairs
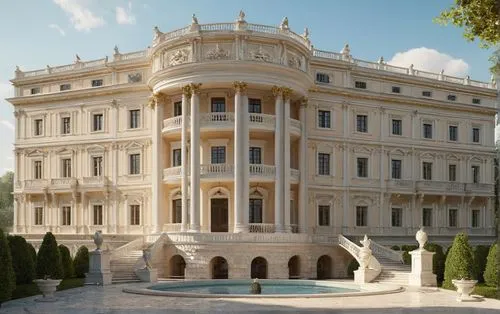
{"points": [[111, 299]]}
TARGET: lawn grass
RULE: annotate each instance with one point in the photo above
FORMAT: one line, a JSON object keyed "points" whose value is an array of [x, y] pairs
{"points": [[28, 290]]}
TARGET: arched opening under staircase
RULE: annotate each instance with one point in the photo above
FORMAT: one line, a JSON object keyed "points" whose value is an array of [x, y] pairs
{"points": [[219, 268], [177, 267], [324, 267], [294, 267], [259, 268]]}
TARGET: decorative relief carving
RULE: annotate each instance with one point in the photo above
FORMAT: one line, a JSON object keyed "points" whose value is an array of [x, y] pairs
{"points": [[180, 56], [261, 54], [294, 62], [217, 53]]}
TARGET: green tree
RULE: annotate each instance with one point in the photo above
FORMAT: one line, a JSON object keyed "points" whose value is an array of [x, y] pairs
{"points": [[67, 262], [438, 261], [81, 262], [33, 254], [491, 270], [6, 200], [7, 275], [459, 262], [480, 255], [22, 260], [48, 260]]}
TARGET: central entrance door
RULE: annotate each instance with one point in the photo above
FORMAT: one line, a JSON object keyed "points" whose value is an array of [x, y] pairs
{"points": [[219, 215]]}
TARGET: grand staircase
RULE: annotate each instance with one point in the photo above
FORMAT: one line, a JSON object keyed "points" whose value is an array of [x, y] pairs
{"points": [[123, 268], [393, 272]]}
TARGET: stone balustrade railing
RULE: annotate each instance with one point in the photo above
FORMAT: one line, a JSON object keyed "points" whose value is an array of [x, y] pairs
{"points": [[63, 182], [262, 170], [350, 246], [295, 174], [172, 172], [126, 249], [262, 119], [36, 183], [172, 227], [184, 237], [209, 170], [261, 228], [209, 118], [295, 124], [100, 180], [383, 251]]}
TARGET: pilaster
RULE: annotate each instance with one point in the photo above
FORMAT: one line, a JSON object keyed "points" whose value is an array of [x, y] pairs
{"points": [[186, 95], [195, 159]]}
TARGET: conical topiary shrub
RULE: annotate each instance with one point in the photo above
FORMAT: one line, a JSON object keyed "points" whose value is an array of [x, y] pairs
{"points": [[438, 261], [81, 262], [480, 255], [67, 262], [491, 272], [33, 254], [22, 261], [459, 262], [48, 260], [7, 275]]}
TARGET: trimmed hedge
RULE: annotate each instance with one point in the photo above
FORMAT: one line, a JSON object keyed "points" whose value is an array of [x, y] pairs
{"points": [[438, 261], [491, 271], [480, 256], [67, 262], [7, 275], [22, 260], [81, 262], [353, 265], [459, 262], [406, 255], [48, 260], [32, 250]]}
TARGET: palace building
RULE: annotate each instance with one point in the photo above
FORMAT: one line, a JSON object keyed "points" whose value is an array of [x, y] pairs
{"points": [[240, 150]]}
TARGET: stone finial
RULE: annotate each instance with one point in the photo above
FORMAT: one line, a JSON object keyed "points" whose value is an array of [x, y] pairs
{"points": [[346, 50], [77, 59], [241, 17], [366, 242], [117, 52], [194, 20], [421, 238], [284, 24], [441, 75], [98, 239], [306, 33], [156, 32], [18, 70], [467, 80]]}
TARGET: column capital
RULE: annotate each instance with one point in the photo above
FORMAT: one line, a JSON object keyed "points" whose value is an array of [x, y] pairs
{"points": [[186, 90], [195, 88], [287, 92], [239, 86], [304, 102], [277, 91], [157, 98]]}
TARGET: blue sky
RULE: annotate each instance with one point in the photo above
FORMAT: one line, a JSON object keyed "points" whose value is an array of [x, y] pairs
{"points": [[35, 33]]}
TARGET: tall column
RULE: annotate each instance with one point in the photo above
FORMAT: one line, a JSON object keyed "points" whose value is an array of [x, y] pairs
{"points": [[278, 160], [241, 162], [27, 213], [286, 158], [82, 213], [303, 168], [186, 94], [195, 159], [156, 103], [74, 212], [20, 207]]}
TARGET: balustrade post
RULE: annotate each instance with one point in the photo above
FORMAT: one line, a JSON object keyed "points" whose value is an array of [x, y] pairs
{"points": [[195, 159], [303, 168], [241, 162], [186, 94]]}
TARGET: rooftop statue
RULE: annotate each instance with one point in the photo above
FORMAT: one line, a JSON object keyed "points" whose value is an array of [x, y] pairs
{"points": [[284, 24], [241, 16], [194, 20]]}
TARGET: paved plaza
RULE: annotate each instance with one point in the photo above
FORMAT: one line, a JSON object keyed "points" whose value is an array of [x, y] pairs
{"points": [[111, 299]]}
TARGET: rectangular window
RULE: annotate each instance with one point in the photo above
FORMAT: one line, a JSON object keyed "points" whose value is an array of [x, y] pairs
{"points": [[453, 133], [176, 157], [135, 215], [35, 90], [177, 211], [97, 83], [254, 105], [135, 118], [324, 118], [324, 164], [427, 93], [362, 123], [38, 127], [322, 78], [427, 129], [476, 223], [219, 104], [66, 215], [218, 154], [452, 173], [427, 170], [396, 169], [359, 84], [97, 122], [397, 217], [97, 215], [66, 168], [255, 155], [134, 164], [66, 125], [38, 169], [452, 97], [361, 216], [97, 166], [427, 217], [362, 166], [324, 215], [475, 174], [64, 87], [255, 210], [452, 218], [38, 216], [396, 89], [475, 135], [476, 101], [177, 108], [397, 127]]}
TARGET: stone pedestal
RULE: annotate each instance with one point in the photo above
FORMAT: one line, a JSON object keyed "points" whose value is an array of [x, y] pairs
{"points": [[147, 274], [99, 269], [364, 275], [421, 269]]}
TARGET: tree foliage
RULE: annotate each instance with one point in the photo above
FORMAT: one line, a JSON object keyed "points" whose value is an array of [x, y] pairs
{"points": [[7, 275], [438, 261], [81, 262], [479, 19], [459, 261], [48, 260], [480, 255], [6, 200], [67, 262], [22, 260], [491, 270]]}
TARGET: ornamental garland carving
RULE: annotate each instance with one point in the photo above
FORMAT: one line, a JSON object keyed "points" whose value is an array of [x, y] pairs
{"points": [[261, 55], [178, 57], [217, 53]]}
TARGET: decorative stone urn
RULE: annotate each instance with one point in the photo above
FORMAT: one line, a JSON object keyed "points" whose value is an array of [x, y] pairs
{"points": [[421, 237], [98, 239], [464, 289], [255, 287], [47, 287], [365, 253]]}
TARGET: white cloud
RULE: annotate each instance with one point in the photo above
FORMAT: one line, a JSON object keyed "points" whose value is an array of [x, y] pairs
{"points": [[58, 28], [6, 90], [81, 17], [124, 16], [8, 124], [431, 60]]}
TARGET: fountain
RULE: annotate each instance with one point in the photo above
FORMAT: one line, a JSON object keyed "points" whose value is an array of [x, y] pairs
{"points": [[255, 287]]}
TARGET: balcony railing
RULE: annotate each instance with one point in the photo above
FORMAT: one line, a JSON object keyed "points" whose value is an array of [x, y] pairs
{"points": [[172, 123], [172, 227], [261, 120], [294, 126], [261, 228], [294, 175], [440, 186], [35, 184], [94, 181], [479, 187], [217, 118], [172, 173], [63, 182], [399, 184], [216, 170], [261, 170]]}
